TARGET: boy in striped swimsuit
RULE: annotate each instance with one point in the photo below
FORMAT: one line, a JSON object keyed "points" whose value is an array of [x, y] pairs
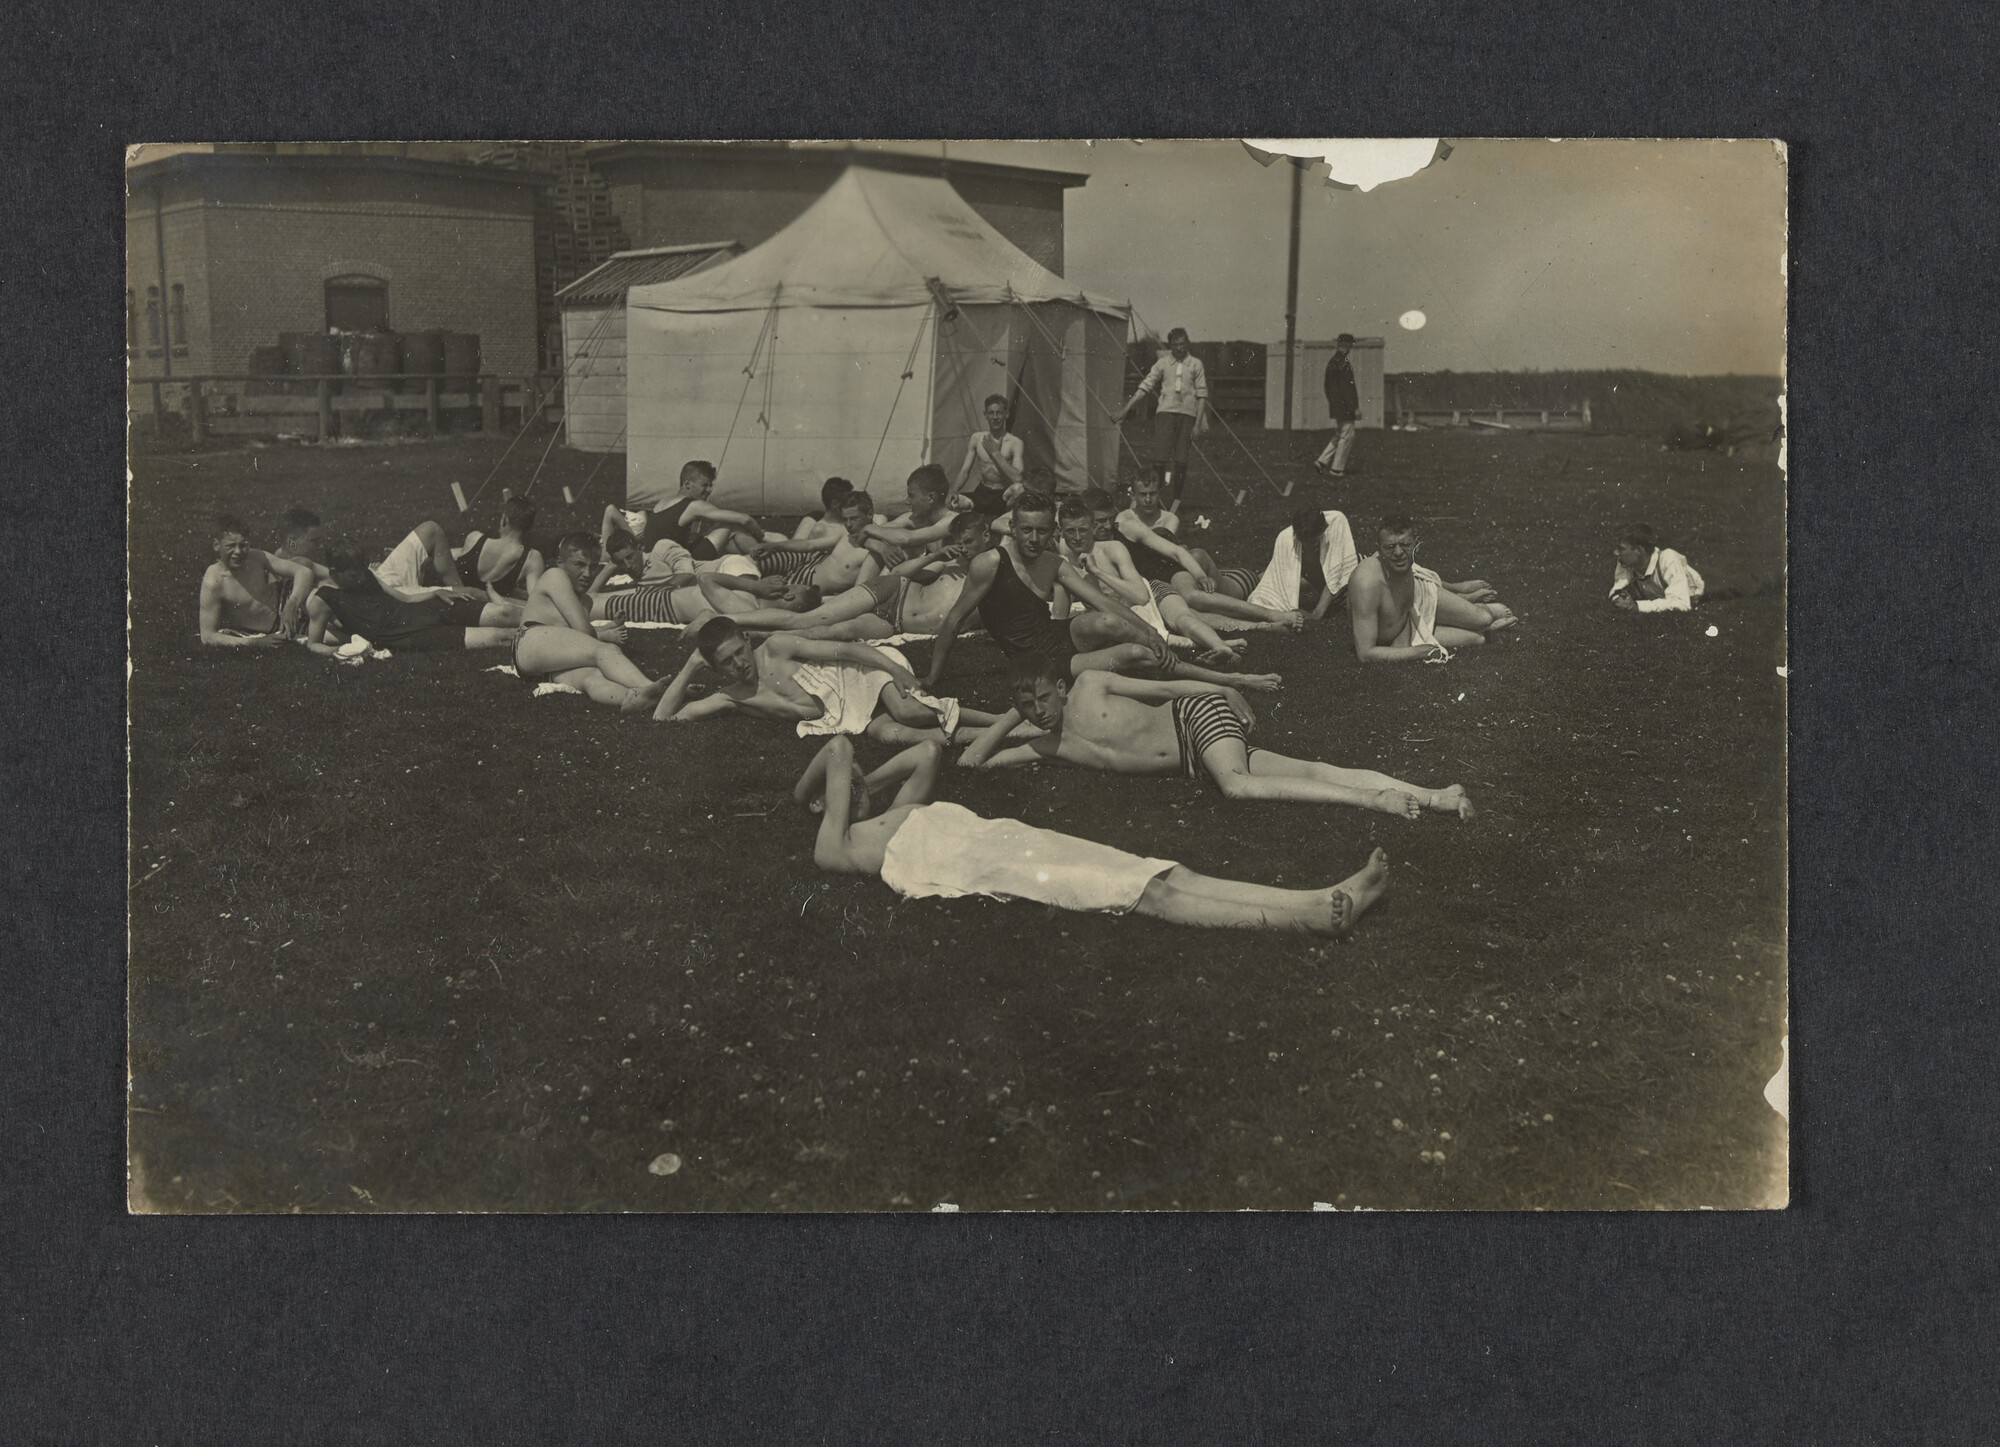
{"points": [[1140, 726]]}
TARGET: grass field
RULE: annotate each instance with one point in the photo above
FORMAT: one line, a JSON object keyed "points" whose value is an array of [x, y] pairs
{"points": [[405, 939]]}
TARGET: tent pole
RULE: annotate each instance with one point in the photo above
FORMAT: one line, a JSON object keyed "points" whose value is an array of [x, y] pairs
{"points": [[930, 385], [1292, 293]]}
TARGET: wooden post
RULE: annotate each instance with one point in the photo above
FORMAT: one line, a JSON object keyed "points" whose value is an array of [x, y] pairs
{"points": [[197, 412], [1586, 414], [489, 405], [431, 404], [1500, 415], [325, 408]]}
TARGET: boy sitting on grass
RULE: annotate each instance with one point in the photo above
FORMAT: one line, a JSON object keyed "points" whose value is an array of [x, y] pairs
{"points": [[250, 598], [1653, 579], [557, 643], [926, 850]]}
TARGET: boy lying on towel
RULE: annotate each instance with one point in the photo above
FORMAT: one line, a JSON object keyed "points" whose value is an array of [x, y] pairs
{"points": [[1402, 612], [557, 643], [823, 687], [924, 850], [1653, 579], [1140, 726]]}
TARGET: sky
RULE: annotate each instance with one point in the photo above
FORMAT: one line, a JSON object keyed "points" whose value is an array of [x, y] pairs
{"points": [[1663, 255]]}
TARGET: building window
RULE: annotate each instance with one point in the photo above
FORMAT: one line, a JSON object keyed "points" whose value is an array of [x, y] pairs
{"points": [[152, 321], [357, 304], [177, 320]]}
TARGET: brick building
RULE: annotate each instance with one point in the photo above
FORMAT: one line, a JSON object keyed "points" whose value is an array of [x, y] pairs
{"points": [[226, 249], [675, 193]]}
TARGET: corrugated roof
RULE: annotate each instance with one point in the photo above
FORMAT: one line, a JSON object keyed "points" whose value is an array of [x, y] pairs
{"points": [[642, 268]]}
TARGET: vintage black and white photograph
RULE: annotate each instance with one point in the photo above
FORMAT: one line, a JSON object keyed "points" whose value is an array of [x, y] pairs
{"points": [[957, 676]]}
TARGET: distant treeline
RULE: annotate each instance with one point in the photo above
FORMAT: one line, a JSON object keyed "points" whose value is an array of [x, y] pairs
{"points": [[1740, 408]]}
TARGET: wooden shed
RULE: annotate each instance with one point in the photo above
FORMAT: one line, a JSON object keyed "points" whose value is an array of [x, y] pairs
{"points": [[593, 329], [1309, 361]]}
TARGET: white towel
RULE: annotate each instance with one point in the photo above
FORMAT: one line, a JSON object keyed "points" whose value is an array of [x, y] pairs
{"points": [[1423, 608], [1279, 587], [848, 695], [944, 851], [542, 689]]}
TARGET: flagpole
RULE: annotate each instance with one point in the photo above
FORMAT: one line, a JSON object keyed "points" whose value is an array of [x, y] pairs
{"points": [[1292, 293]]}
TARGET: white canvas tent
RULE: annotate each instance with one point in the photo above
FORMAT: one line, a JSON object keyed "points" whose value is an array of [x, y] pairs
{"points": [[860, 342]]}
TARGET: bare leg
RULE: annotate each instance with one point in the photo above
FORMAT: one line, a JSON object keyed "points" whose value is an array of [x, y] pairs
{"points": [[1222, 603], [1138, 659], [1183, 897], [1455, 612], [1459, 638], [489, 637], [1184, 620], [500, 615], [1227, 763], [887, 730], [1452, 800], [552, 651], [1096, 630], [435, 543]]}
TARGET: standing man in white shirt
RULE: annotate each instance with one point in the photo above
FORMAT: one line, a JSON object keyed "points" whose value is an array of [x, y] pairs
{"points": [[1653, 579], [1181, 385]]}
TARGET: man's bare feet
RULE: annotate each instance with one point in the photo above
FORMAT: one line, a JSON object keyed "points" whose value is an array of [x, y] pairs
{"points": [[1454, 800], [1351, 898], [1223, 656], [1259, 682], [1295, 620], [1503, 618], [1395, 801]]}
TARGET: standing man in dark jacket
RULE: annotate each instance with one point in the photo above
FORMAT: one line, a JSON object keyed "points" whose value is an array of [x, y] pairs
{"points": [[1344, 403]]}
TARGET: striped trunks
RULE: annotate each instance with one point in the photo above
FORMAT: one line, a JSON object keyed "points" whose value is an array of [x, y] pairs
{"points": [[1201, 721]]}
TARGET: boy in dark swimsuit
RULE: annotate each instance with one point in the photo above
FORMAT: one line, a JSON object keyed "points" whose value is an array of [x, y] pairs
{"points": [[356, 603], [1012, 585], [705, 530]]}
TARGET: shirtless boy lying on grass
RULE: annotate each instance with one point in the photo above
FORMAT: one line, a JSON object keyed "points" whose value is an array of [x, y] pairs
{"points": [[251, 598], [821, 686], [1137, 726], [1402, 612], [926, 850], [731, 586], [912, 597]]}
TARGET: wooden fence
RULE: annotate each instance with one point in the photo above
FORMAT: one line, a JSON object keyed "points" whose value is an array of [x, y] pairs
{"points": [[223, 403]]}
